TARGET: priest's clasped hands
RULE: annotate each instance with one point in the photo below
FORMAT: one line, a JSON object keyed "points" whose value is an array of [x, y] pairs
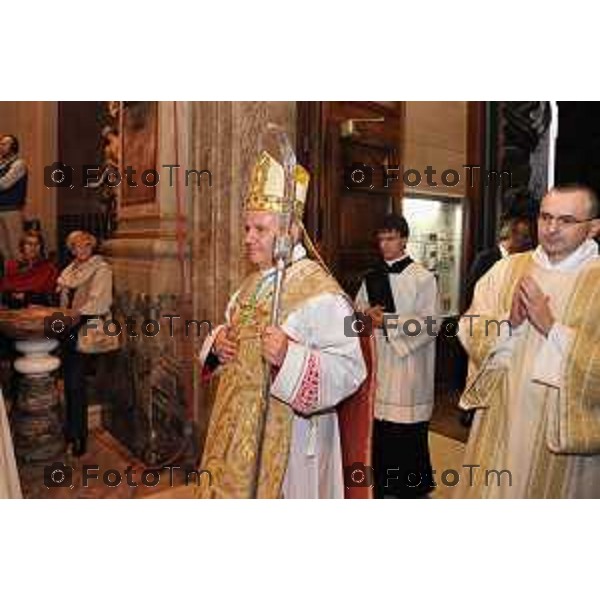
{"points": [[530, 303], [274, 345]]}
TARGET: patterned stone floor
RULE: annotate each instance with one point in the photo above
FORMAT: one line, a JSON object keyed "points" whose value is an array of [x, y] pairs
{"points": [[107, 453], [110, 462], [446, 454], [447, 441]]}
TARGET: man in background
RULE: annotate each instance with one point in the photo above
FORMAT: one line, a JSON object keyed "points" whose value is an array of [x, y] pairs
{"points": [[514, 236], [13, 191]]}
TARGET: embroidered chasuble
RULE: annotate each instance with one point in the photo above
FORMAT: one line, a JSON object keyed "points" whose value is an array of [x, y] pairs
{"points": [[536, 432], [321, 368]]}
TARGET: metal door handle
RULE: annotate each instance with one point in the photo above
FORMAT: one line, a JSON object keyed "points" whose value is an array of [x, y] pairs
{"points": [[347, 128]]}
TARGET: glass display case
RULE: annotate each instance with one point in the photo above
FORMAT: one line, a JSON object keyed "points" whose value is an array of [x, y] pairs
{"points": [[436, 241]]}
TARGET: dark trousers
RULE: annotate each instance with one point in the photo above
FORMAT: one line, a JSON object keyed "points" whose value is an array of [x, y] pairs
{"points": [[74, 369], [401, 461]]}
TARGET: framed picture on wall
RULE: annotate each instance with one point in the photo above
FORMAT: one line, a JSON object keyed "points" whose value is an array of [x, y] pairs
{"points": [[140, 144]]}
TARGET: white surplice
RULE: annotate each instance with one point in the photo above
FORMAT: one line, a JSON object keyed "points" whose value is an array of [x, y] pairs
{"points": [[318, 351], [406, 363], [535, 366], [10, 486]]}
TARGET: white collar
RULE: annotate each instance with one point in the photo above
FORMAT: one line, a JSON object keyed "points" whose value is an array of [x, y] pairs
{"points": [[503, 251], [298, 252], [391, 262], [584, 253]]}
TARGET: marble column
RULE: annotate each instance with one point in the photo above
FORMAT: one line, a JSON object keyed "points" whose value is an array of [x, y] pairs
{"points": [[224, 139]]}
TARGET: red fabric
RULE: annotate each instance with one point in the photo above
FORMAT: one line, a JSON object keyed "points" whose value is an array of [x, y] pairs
{"points": [[355, 416], [307, 397], [206, 374], [39, 278]]}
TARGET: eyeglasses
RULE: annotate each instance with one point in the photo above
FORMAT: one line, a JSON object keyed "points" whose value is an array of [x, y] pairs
{"points": [[561, 220]]}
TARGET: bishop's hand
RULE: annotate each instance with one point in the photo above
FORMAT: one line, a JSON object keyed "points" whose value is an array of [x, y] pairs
{"points": [[274, 345], [224, 346]]}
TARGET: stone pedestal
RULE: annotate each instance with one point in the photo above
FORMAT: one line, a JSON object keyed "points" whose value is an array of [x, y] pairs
{"points": [[36, 360], [36, 418]]}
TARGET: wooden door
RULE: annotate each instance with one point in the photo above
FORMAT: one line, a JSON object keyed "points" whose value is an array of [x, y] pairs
{"points": [[350, 149]]}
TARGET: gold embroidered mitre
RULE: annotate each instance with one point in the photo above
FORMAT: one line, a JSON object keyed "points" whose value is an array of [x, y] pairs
{"points": [[267, 187]]}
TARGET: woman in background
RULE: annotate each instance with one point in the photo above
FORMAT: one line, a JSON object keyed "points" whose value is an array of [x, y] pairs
{"points": [[31, 278], [85, 287]]}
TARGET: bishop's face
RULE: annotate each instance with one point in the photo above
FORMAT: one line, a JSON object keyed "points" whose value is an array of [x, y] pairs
{"points": [[260, 231]]}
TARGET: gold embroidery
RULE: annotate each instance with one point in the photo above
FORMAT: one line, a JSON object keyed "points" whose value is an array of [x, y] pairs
{"points": [[232, 439]]}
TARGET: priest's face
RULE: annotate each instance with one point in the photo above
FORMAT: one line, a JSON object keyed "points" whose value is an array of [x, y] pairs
{"points": [[260, 232], [564, 223], [391, 244]]}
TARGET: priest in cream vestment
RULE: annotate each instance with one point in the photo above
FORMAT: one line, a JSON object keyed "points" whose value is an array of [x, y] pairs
{"points": [[9, 476], [313, 365], [533, 337]]}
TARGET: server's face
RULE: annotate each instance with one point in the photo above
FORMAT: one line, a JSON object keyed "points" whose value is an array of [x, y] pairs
{"points": [[564, 223], [391, 244], [260, 232]]}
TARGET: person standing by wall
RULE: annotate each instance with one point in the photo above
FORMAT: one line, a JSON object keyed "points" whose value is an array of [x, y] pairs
{"points": [[13, 192]]}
